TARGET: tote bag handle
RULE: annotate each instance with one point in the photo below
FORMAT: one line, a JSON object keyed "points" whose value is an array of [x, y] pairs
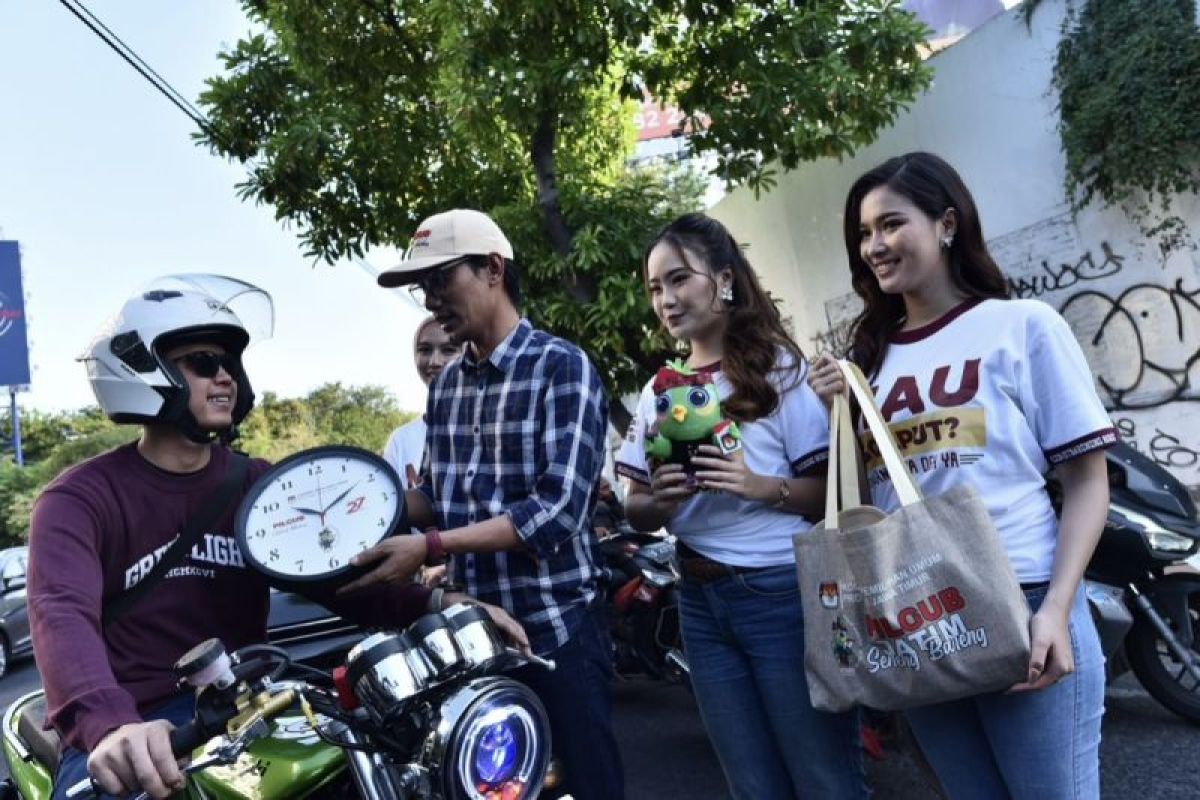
{"points": [[902, 480], [843, 461]]}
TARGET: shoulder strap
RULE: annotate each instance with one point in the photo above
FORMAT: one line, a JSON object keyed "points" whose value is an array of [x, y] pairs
{"points": [[201, 522]]}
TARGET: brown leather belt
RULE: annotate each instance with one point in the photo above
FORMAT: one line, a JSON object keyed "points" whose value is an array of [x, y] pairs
{"points": [[698, 568]]}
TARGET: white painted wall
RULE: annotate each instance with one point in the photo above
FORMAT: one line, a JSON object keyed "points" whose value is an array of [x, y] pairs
{"points": [[991, 112]]}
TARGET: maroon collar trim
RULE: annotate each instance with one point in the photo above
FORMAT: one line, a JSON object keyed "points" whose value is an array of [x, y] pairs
{"points": [[925, 331]]}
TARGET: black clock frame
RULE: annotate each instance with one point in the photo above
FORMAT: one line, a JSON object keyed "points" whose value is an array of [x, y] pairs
{"points": [[338, 575]]}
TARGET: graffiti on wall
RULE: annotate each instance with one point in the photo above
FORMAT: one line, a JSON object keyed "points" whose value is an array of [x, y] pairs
{"points": [[839, 314], [1163, 447], [1141, 337], [1137, 319], [1143, 343]]}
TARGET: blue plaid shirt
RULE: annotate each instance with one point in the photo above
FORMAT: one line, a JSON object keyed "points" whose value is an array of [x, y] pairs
{"points": [[522, 433]]}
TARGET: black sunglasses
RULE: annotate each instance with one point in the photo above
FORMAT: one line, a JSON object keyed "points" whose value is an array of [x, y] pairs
{"points": [[207, 363], [435, 281]]}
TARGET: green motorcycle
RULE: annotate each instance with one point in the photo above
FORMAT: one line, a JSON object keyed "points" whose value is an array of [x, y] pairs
{"points": [[423, 713]]}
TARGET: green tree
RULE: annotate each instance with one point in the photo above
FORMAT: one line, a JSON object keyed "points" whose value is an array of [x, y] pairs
{"points": [[20, 486], [362, 416], [357, 118]]}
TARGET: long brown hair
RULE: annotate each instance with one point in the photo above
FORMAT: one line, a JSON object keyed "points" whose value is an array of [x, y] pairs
{"points": [[754, 332], [933, 186]]}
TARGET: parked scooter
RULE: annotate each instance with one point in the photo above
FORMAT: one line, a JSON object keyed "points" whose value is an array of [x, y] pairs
{"points": [[643, 598], [1144, 596], [418, 714]]}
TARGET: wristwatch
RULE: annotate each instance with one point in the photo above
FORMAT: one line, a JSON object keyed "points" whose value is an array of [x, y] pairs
{"points": [[785, 491]]}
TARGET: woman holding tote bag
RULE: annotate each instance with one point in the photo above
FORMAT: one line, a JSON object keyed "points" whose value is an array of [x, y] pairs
{"points": [[996, 392], [735, 517]]}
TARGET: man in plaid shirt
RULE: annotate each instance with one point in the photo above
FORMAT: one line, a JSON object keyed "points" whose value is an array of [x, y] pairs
{"points": [[515, 448]]}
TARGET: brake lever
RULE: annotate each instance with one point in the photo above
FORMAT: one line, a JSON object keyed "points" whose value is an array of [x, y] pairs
{"points": [[222, 755]]}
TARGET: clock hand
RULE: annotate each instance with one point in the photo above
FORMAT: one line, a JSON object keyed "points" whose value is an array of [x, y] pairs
{"points": [[339, 498], [312, 511]]}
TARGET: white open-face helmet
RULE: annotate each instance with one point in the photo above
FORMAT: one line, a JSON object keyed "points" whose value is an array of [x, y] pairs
{"points": [[133, 380]]}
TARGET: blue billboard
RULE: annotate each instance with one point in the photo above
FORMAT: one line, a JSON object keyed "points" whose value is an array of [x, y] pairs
{"points": [[14, 336]]}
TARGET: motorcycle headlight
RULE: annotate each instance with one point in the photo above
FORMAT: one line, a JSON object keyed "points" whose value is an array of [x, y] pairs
{"points": [[1159, 538], [491, 742]]}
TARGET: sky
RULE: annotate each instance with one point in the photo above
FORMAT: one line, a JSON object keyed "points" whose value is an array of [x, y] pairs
{"points": [[103, 187]]}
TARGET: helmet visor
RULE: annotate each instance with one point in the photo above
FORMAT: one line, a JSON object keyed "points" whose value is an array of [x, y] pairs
{"points": [[250, 304]]}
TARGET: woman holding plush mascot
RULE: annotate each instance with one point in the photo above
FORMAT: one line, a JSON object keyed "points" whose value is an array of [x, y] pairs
{"points": [[727, 452]]}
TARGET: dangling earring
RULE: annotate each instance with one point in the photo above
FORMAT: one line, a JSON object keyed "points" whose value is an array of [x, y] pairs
{"points": [[947, 240], [726, 295]]}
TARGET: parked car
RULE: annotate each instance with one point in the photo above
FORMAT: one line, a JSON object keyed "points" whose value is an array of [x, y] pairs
{"points": [[15, 641]]}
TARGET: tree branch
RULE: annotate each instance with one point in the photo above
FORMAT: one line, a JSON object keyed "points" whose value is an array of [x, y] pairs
{"points": [[541, 152]]}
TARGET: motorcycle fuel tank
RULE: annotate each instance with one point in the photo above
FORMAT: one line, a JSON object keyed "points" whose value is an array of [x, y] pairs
{"points": [[292, 762]]}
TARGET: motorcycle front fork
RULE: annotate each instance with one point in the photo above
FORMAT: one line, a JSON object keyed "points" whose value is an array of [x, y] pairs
{"points": [[1181, 652], [374, 778]]}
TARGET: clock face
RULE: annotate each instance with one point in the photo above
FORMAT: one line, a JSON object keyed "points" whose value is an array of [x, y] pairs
{"points": [[312, 512]]}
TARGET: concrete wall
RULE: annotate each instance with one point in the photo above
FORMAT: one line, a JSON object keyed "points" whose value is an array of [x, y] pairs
{"points": [[992, 113]]}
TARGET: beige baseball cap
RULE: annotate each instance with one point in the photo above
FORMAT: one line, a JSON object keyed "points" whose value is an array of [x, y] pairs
{"points": [[447, 237]]}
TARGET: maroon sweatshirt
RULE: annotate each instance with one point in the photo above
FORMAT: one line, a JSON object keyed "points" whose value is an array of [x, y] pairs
{"points": [[95, 531]]}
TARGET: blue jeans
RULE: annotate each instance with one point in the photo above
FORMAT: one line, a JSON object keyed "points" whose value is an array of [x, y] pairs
{"points": [[578, 700], [1030, 746], [744, 637], [72, 767]]}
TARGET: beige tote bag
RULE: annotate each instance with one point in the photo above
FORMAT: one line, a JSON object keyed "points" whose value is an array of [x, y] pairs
{"points": [[905, 609]]}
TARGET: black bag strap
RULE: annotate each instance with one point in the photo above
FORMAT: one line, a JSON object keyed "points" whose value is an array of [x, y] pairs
{"points": [[201, 522]]}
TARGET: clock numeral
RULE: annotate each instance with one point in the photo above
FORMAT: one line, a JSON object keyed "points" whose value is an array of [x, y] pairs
{"points": [[274, 555], [300, 565], [386, 496], [362, 545], [343, 467], [315, 469], [355, 505], [335, 562], [269, 507], [260, 533], [285, 485], [382, 522]]}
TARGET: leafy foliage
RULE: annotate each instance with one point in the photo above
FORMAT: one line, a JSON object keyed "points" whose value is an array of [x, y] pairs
{"points": [[363, 416], [1128, 77], [20, 486], [358, 118]]}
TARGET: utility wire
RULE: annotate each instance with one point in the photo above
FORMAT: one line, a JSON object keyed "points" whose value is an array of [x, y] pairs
{"points": [[160, 83], [134, 60]]}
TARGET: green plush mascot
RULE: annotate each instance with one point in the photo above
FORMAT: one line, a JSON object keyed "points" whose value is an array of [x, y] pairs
{"points": [[687, 414]]}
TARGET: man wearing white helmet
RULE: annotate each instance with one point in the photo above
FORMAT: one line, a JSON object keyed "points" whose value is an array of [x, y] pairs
{"points": [[171, 362]]}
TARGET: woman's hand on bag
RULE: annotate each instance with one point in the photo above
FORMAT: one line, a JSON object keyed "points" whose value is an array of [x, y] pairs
{"points": [[670, 486], [825, 379], [1051, 657], [729, 473]]}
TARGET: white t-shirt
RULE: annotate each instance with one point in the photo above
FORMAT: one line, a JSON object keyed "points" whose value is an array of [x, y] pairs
{"points": [[993, 393], [791, 441], [406, 448]]}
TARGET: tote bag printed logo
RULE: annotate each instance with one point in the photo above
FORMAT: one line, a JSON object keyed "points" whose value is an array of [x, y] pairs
{"points": [[830, 598], [843, 643], [934, 626]]}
